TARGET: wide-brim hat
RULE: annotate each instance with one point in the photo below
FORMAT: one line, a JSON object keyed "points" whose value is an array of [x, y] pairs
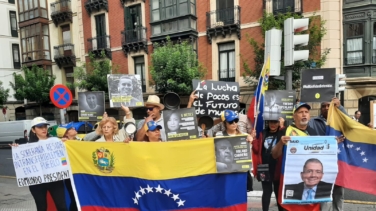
{"points": [[154, 100]]}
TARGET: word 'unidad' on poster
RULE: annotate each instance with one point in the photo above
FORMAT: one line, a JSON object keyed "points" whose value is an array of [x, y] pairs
{"points": [[232, 154], [215, 97], [310, 169], [40, 162], [180, 124]]}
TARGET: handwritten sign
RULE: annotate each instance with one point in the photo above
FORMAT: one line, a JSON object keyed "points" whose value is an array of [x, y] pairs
{"points": [[40, 162], [215, 97]]}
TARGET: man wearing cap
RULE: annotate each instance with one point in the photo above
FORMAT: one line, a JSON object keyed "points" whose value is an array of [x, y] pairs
{"points": [[154, 110], [319, 124]]}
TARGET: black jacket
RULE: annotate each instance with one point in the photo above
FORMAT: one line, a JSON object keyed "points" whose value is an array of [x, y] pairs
{"points": [[323, 190]]}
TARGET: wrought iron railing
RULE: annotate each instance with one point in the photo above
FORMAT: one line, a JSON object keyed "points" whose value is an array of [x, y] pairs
{"points": [[64, 50], [218, 18], [134, 35], [284, 6], [99, 42], [61, 6]]}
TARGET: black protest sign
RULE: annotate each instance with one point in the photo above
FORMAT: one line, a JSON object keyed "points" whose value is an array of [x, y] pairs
{"points": [[278, 103], [215, 97], [90, 106], [232, 154], [318, 85], [124, 90], [180, 124]]}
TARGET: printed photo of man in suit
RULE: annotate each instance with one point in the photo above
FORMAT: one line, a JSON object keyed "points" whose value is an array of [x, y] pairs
{"points": [[312, 187]]}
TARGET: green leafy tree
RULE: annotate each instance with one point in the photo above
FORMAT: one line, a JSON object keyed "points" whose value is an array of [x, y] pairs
{"points": [[173, 66], [93, 75], [316, 31], [34, 86], [4, 94]]}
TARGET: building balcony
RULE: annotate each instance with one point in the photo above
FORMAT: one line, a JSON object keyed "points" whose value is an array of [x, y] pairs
{"points": [[134, 40], [61, 11], [64, 55], [226, 75], [283, 6], [96, 5], [98, 44], [223, 22], [124, 1]]}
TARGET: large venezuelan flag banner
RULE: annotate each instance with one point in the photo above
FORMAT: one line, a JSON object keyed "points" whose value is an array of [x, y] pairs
{"points": [[153, 176], [356, 155]]}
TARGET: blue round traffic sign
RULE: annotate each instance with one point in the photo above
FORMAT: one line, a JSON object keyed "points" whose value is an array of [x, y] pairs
{"points": [[61, 96]]}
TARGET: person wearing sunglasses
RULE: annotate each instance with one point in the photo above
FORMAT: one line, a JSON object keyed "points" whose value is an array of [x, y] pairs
{"points": [[38, 133], [154, 111], [230, 121], [108, 128]]}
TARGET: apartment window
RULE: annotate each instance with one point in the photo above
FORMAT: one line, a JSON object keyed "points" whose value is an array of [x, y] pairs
{"points": [[227, 61], [139, 64], [354, 43], [11, 1], [69, 78], [35, 42], [374, 44], [175, 11], [13, 23], [16, 56], [30, 9]]}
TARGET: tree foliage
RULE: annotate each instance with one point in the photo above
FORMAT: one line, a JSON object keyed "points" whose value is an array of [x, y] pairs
{"points": [[316, 31], [34, 86], [173, 66], [93, 75], [4, 94]]}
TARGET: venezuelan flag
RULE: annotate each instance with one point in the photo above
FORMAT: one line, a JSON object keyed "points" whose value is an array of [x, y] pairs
{"points": [[257, 104], [153, 176], [356, 155]]}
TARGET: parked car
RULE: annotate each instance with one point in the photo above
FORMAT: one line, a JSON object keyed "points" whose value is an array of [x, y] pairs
{"points": [[16, 131]]}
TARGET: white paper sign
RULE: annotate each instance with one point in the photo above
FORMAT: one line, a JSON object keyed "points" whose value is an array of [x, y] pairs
{"points": [[40, 162], [310, 169]]}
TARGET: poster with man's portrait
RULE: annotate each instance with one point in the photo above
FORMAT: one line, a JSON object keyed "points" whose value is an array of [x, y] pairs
{"points": [[180, 124], [310, 169], [232, 154], [278, 103], [125, 90], [90, 106]]}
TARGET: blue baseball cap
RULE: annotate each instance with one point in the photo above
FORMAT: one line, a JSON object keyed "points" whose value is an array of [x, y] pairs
{"points": [[229, 116], [300, 105], [151, 125]]}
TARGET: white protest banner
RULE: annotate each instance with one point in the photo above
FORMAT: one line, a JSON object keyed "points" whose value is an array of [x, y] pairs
{"points": [[310, 169], [40, 162]]}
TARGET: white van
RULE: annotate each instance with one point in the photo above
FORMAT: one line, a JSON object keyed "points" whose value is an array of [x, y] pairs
{"points": [[16, 131]]}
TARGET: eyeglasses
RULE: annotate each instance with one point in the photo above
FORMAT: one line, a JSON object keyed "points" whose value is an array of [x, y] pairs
{"points": [[107, 127], [232, 122], [150, 109], [126, 84], [311, 171]]}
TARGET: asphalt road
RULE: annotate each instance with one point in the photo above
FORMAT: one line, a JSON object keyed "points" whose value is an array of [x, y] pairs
{"points": [[7, 169]]}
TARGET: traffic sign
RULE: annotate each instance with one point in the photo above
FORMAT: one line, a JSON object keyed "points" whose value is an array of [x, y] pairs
{"points": [[61, 96]]}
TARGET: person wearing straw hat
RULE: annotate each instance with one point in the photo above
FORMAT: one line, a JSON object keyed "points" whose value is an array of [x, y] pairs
{"points": [[154, 111]]}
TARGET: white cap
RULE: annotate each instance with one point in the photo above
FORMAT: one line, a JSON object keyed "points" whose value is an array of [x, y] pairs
{"points": [[39, 121]]}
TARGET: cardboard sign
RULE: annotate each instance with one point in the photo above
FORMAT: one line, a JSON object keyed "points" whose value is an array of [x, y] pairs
{"points": [[278, 103], [180, 124], [318, 85], [40, 162], [90, 106], [124, 90], [215, 97], [232, 154]]}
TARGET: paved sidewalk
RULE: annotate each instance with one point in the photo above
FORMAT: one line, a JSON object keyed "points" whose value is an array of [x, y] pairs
{"points": [[13, 198]]}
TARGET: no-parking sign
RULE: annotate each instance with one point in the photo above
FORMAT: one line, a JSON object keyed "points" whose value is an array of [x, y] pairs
{"points": [[61, 96]]}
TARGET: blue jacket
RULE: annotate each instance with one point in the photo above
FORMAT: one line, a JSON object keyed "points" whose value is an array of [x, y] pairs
{"points": [[319, 123]]}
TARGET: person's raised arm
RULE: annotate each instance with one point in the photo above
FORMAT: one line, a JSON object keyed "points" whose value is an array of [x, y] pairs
{"points": [[192, 98], [141, 133], [278, 148]]}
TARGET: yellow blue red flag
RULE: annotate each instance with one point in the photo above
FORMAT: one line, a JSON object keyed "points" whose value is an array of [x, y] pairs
{"points": [[356, 155], [153, 176]]}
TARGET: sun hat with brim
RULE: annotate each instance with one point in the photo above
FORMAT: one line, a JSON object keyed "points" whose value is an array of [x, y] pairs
{"points": [[229, 116], [151, 125], [38, 122], [301, 105], [154, 100]]}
